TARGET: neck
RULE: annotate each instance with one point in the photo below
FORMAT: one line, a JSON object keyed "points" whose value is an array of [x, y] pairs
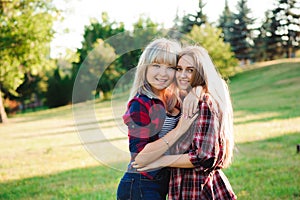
{"points": [[160, 94], [182, 94]]}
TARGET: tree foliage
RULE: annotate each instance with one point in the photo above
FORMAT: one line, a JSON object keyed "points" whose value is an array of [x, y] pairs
{"points": [[91, 47], [240, 34], [98, 30], [287, 16], [225, 22], [189, 20], [26, 31], [100, 49], [210, 38], [279, 34], [59, 89], [268, 45], [25, 36]]}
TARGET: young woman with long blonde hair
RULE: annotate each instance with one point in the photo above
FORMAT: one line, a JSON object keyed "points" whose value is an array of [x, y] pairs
{"points": [[196, 173], [145, 117]]}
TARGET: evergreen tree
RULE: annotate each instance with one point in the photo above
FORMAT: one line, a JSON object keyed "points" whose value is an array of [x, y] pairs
{"points": [[225, 22], [241, 35], [59, 89], [268, 44], [287, 24], [174, 32], [189, 20]]}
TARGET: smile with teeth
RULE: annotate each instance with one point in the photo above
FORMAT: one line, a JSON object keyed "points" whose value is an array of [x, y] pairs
{"points": [[184, 81], [162, 80]]}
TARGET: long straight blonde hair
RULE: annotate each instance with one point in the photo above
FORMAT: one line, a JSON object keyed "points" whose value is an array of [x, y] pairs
{"points": [[208, 77], [160, 50]]}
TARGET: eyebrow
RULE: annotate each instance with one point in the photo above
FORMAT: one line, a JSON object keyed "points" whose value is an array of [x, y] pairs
{"points": [[189, 67]]}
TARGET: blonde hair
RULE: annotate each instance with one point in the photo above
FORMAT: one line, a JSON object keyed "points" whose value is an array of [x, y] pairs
{"points": [[160, 50], [208, 77]]}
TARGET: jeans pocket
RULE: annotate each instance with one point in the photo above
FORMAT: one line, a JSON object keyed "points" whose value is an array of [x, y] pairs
{"points": [[124, 191]]}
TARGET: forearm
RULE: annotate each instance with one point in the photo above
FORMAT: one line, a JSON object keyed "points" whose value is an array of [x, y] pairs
{"points": [[152, 151], [156, 149], [178, 161]]}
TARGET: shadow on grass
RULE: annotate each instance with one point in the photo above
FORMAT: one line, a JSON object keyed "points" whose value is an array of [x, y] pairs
{"points": [[266, 169], [283, 115], [86, 183], [62, 111], [96, 142], [102, 124]]}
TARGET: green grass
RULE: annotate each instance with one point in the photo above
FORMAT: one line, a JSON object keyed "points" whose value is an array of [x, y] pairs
{"points": [[267, 169], [43, 156], [270, 89], [85, 183]]}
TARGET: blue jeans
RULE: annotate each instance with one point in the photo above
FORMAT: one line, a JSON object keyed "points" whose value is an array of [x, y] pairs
{"points": [[135, 186]]}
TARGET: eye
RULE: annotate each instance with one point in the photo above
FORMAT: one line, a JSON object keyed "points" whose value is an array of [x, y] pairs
{"points": [[178, 69], [190, 70], [156, 65], [171, 68]]}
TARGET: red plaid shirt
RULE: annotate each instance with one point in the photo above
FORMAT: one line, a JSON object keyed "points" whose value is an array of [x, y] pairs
{"points": [[205, 180], [144, 117]]}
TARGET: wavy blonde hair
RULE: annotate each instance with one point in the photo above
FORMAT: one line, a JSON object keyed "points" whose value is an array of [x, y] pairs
{"points": [[208, 77], [160, 50]]}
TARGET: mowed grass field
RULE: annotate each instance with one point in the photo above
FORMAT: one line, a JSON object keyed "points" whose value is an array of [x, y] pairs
{"points": [[81, 152]]}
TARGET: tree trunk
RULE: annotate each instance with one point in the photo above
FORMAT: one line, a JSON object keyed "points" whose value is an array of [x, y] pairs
{"points": [[3, 116]]}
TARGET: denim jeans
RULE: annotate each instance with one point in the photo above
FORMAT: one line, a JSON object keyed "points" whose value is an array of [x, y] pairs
{"points": [[135, 186]]}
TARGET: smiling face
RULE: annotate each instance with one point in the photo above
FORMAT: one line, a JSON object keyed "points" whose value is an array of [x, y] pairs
{"points": [[160, 76], [185, 72]]}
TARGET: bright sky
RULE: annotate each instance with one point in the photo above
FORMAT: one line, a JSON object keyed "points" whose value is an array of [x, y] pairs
{"points": [[79, 13]]}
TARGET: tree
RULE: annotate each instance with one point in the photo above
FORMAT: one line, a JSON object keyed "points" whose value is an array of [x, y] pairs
{"points": [[93, 32], [210, 38], [225, 22], [124, 46], [174, 31], [286, 14], [240, 37], [25, 34], [268, 44], [32, 90], [59, 89], [97, 72], [102, 67], [189, 20], [98, 30]]}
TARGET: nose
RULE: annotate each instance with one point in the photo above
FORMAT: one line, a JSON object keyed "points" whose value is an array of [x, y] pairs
{"points": [[183, 73], [163, 71]]}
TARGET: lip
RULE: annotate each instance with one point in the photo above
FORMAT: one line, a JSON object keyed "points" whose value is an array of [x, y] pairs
{"points": [[161, 80], [184, 81]]}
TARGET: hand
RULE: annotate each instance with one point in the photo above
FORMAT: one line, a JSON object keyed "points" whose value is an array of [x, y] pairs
{"points": [[185, 123], [154, 165], [190, 102]]}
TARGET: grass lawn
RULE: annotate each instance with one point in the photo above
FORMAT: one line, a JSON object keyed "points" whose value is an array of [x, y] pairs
{"points": [[81, 152]]}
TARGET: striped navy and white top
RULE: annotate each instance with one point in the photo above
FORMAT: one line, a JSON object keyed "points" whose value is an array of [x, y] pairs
{"points": [[169, 124]]}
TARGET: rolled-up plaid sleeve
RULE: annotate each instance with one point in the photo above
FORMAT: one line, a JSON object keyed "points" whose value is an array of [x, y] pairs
{"points": [[144, 121], [205, 147]]}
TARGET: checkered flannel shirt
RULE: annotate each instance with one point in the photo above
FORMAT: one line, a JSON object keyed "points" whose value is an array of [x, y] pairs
{"points": [[205, 180], [144, 118]]}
